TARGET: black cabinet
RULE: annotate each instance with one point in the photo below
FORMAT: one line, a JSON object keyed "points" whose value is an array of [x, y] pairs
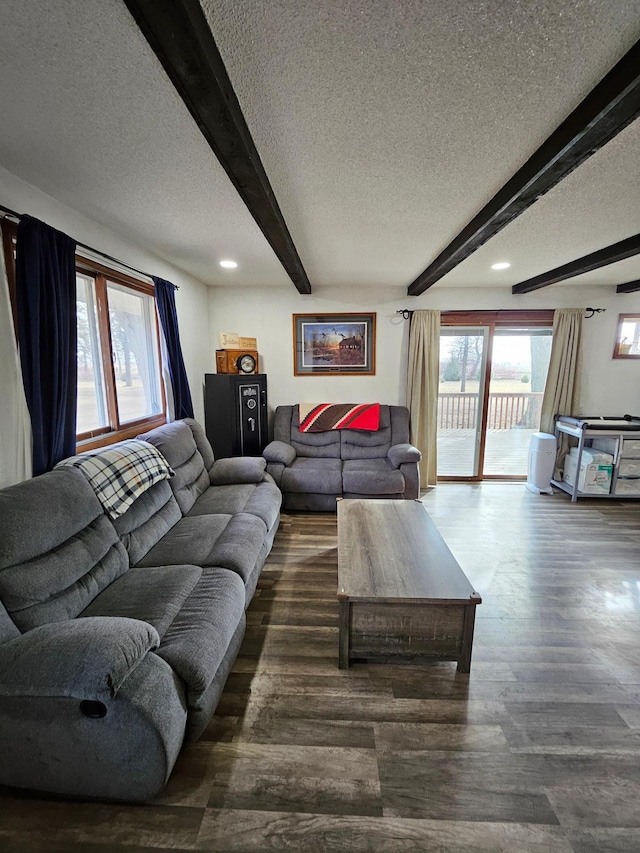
{"points": [[235, 413]]}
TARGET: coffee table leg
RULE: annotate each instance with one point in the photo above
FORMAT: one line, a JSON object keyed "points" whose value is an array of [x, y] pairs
{"points": [[464, 664], [344, 609]]}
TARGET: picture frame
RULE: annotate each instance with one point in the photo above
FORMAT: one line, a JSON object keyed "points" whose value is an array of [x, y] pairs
{"points": [[339, 344]]}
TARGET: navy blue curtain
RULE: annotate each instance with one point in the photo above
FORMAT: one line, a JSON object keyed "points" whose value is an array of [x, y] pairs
{"points": [[166, 302], [47, 335]]}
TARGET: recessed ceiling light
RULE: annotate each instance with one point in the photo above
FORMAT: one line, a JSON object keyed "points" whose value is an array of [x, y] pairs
{"points": [[503, 265], [228, 265]]}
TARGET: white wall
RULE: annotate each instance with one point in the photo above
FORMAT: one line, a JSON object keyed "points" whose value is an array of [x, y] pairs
{"points": [[610, 387], [191, 300]]}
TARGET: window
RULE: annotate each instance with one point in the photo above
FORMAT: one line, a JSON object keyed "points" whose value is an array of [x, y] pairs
{"points": [[134, 349], [119, 385], [92, 395], [120, 390], [628, 337]]}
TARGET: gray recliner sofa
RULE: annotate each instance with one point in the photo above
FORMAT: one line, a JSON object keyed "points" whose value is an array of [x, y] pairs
{"points": [[313, 469], [117, 635]]}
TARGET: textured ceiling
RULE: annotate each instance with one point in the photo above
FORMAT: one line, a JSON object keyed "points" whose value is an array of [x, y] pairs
{"points": [[595, 206], [384, 126], [89, 117]]}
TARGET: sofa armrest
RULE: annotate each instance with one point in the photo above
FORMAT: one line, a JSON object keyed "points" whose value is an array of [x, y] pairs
{"points": [[279, 451], [63, 730], [86, 658], [237, 470], [399, 454]]}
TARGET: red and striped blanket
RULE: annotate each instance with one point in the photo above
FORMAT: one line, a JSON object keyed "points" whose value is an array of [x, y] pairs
{"points": [[320, 417]]}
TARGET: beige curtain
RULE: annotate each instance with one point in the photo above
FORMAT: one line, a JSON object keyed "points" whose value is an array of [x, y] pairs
{"points": [[422, 389], [562, 389], [15, 424]]}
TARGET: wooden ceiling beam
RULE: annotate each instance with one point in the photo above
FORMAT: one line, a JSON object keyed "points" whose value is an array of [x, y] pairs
{"points": [[629, 287], [602, 258], [179, 34], [606, 110]]}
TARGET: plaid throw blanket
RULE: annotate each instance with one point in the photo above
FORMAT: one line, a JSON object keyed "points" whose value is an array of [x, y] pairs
{"points": [[121, 473], [320, 417]]}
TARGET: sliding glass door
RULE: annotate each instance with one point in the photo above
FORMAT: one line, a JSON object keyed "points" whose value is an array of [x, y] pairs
{"points": [[461, 400], [492, 378], [519, 366]]}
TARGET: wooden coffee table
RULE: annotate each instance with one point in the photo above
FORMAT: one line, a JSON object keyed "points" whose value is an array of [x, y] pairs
{"points": [[401, 593]]}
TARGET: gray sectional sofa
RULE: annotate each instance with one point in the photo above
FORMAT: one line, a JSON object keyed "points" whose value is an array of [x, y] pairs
{"points": [[117, 636], [312, 469]]}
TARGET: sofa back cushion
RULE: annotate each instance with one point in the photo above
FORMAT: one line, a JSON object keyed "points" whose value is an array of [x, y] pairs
{"points": [[364, 444], [58, 549], [400, 425], [147, 520], [202, 442], [368, 444], [185, 447], [8, 628], [311, 444]]}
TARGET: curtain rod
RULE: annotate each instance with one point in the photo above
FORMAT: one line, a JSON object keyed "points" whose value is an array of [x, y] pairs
{"points": [[7, 212], [407, 314]]}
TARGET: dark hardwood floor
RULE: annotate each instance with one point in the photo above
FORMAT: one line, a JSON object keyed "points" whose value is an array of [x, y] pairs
{"points": [[537, 750]]}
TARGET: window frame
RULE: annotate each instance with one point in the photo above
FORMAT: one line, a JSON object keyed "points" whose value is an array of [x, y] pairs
{"points": [[114, 431], [9, 233], [619, 350]]}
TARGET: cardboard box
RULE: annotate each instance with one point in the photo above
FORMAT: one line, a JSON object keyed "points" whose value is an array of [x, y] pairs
{"points": [[232, 340], [229, 340], [247, 343], [593, 478]]}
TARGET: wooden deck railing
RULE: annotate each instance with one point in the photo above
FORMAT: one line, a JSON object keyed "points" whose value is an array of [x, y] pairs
{"points": [[460, 411]]}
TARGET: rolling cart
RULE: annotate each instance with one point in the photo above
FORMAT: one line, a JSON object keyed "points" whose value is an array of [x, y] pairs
{"points": [[619, 436]]}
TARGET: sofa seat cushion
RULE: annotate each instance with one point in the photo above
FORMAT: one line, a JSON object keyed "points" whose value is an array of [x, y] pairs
{"points": [[231, 542], [154, 595], [197, 640], [265, 503], [262, 500], [322, 476], [240, 546], [371, 477], [222, 499], [191, 540]]}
